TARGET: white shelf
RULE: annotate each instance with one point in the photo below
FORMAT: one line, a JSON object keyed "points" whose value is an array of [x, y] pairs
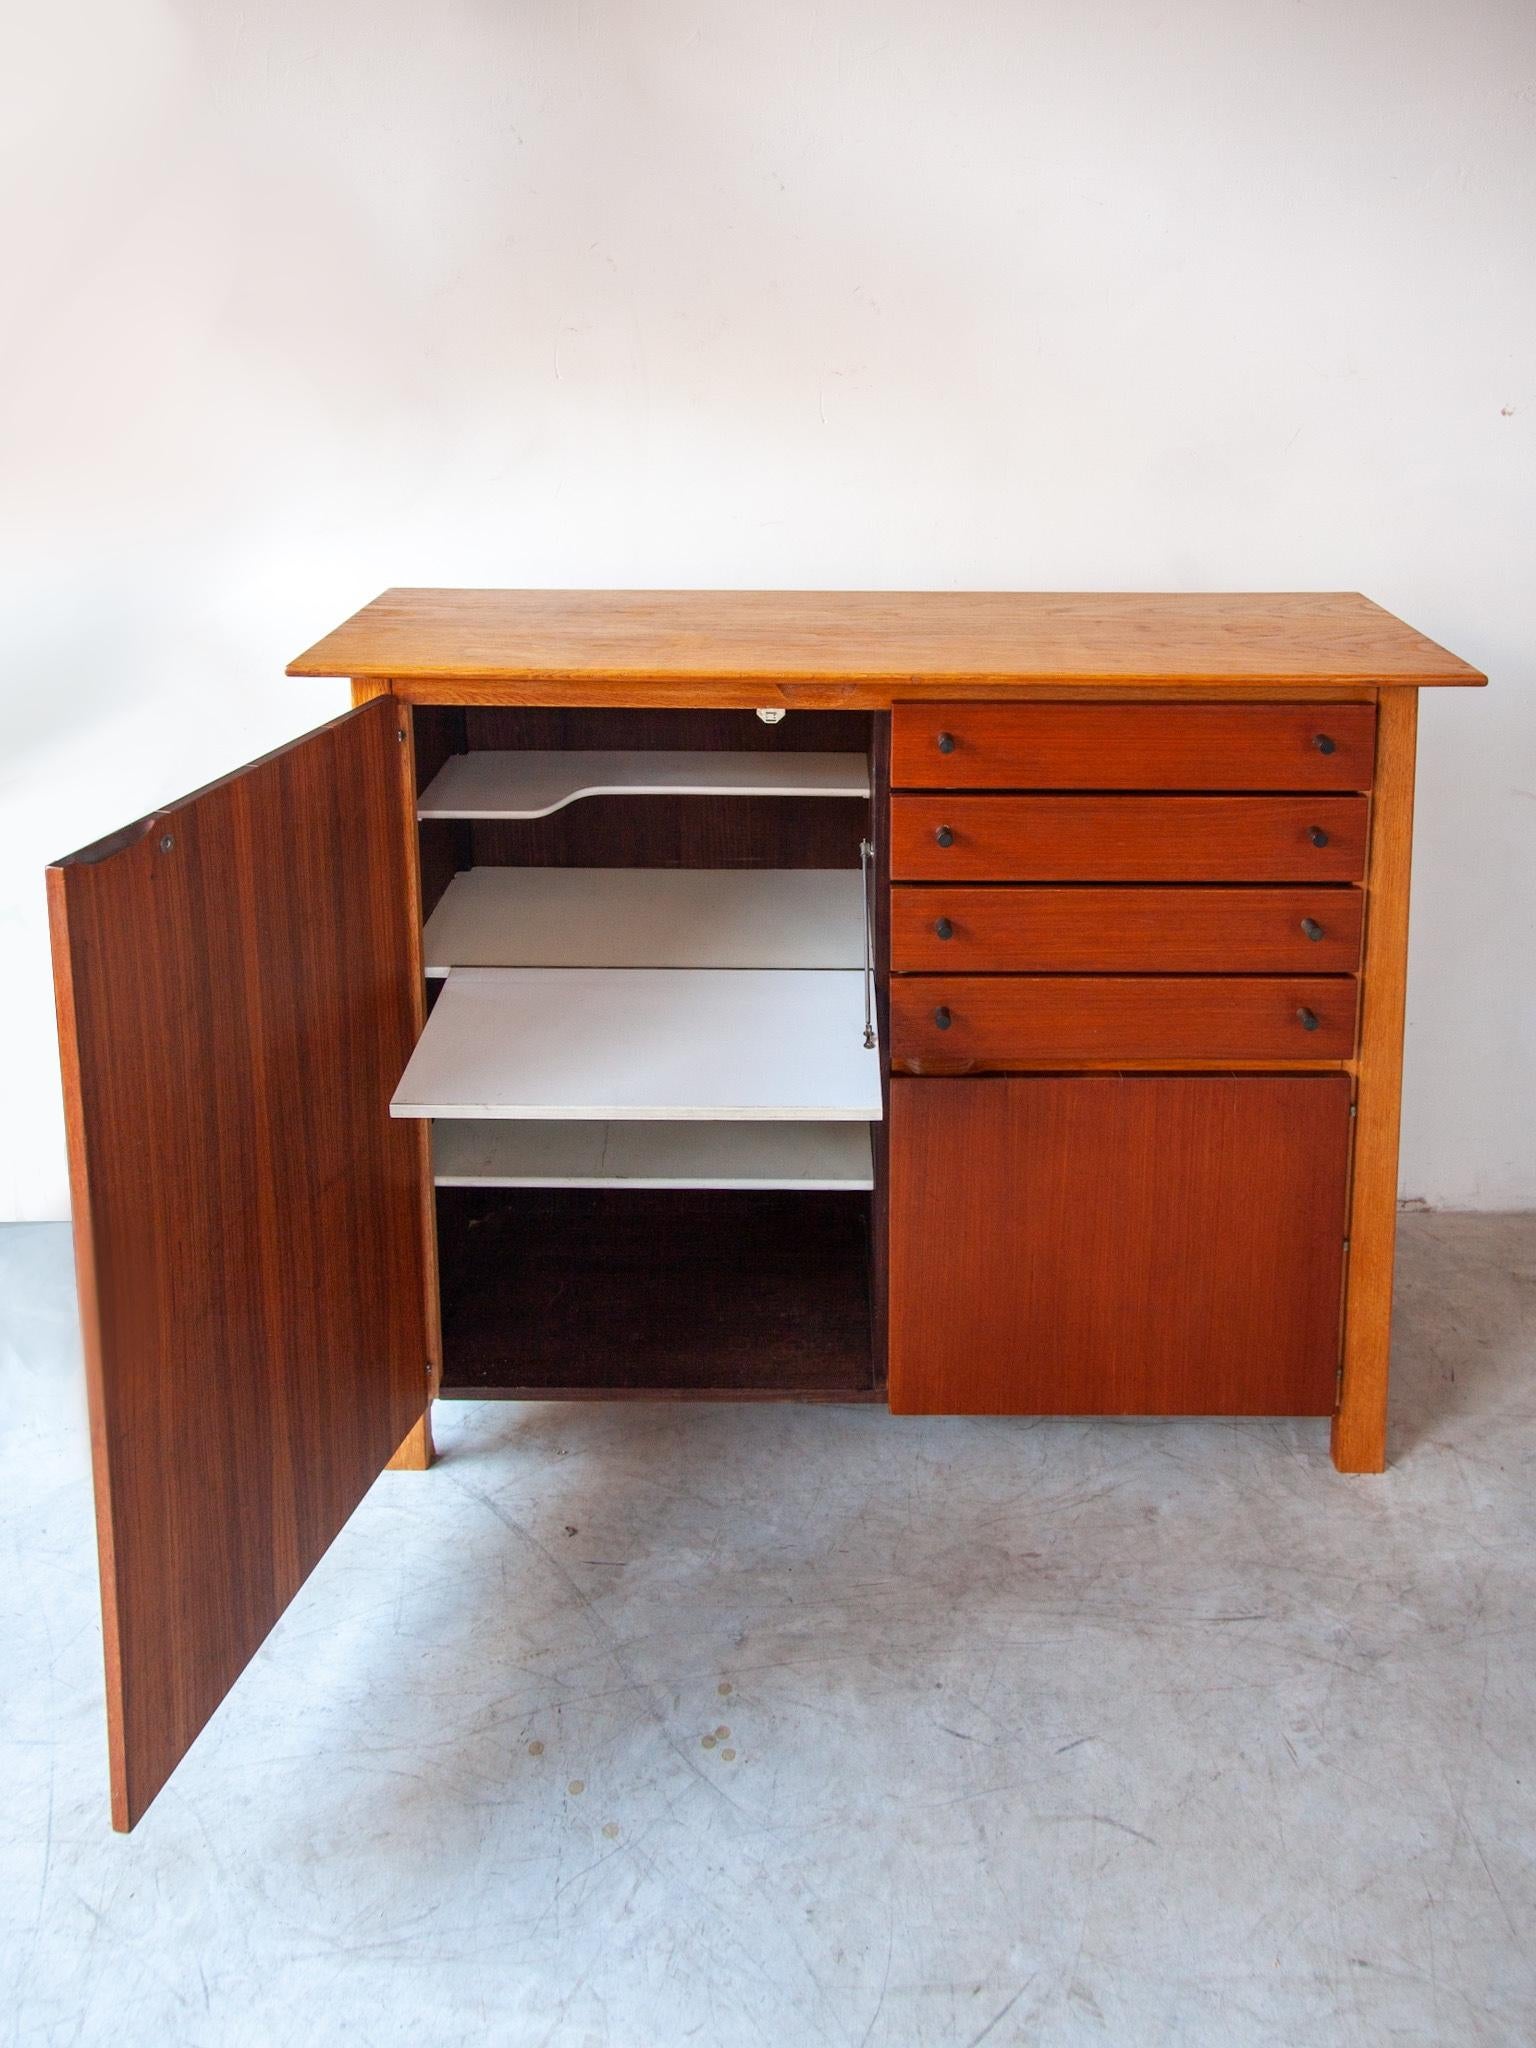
{"points": [[648, 917], [491, 784], [676, 1045], [652, 1155]]}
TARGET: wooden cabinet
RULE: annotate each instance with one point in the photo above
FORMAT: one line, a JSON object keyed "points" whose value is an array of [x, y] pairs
{"points": [[529, 1031], [1118, 1244]]}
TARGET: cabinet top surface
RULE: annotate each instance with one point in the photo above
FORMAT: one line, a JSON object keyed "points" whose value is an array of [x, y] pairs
{"points": [[881, 637]]}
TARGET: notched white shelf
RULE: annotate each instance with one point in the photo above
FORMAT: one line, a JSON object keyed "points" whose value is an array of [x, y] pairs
{"points": [[810, 1157], [648, 917], [567, 1044], [492, 784]]}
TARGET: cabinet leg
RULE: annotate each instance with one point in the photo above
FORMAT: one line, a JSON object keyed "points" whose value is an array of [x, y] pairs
{"points": [[1360, 1425], [415, 1454]]}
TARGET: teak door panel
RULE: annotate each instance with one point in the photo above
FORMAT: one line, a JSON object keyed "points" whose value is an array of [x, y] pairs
{"points": [[986, 929], [1018, 1020], [235, 1005], [1132, 746], [1128, 838], [1117, 1245]]}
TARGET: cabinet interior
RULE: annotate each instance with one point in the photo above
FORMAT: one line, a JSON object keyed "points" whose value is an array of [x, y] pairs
{"points": [[662, 914]]}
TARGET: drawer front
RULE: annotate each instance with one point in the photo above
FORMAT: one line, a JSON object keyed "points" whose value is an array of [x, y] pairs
{"points": [[1016, 1020], [939, 930], [1133, 746], [1128, 838]]}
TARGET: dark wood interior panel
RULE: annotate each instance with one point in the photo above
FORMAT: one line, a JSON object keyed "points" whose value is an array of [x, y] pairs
{"points": [[580, 1291], [438, 732], [236, 1006], [1014, 1020], [678, 832], [997, 929], [1128, 838], [1133, 746], [1117, 1245], [511, 726]]}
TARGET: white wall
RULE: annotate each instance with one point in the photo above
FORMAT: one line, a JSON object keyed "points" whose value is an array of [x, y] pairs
{"points": [[307, 297]]}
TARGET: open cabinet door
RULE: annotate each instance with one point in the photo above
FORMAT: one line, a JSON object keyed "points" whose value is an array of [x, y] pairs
{"points": [[237, 999]]}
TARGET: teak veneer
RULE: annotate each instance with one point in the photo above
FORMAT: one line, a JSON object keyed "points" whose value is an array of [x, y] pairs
{"points": [[1119, 1135]]}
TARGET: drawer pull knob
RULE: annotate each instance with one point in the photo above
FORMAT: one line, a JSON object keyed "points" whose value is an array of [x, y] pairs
{"points": [[944, 836], [942, 1018], [1317, 835], [946, 743], [1308, 1018], [1324, 744], [1312, 928], [944, 928]]}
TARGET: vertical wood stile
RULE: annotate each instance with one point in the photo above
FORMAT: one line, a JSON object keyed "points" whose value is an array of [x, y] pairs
{"points": [[416, 1452]]}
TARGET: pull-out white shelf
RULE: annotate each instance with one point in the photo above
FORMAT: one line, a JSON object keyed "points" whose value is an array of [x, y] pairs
{"points": [[757, 1156], [491, 784], [661, 1044], [648, 917]]}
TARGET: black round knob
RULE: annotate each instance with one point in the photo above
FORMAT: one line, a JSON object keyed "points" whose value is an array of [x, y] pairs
{"points": [[944, 928], [946, 743], [942, 1018], [1324, 744], [944, 836], [1308, 1018], [1317, 835], [1311, 927]]}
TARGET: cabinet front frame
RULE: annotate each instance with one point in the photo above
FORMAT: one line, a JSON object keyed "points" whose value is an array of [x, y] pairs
{"points": [[1358, 1437]]}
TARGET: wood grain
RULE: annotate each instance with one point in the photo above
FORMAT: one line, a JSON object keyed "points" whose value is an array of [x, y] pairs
{"points": [[991, 929], [1112, 1245], [1360, 1426], [1127, 838], [1133, 746], [1013, 1020], [235, 1005], [873, 642]]}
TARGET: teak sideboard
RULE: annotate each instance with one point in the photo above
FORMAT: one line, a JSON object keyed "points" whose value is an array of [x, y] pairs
{"points": [[980, 1003]]}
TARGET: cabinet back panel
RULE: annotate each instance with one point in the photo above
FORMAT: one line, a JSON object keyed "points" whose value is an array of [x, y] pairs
{"points": [[572, 1291], [657, 831]]}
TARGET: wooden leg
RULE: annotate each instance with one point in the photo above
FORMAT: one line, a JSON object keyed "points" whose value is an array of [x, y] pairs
{"points": [[415, 1454], [1360, 1421]]}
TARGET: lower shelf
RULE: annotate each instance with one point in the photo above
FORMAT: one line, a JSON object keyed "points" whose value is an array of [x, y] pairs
{"points": [[755, 1156], [551, 1293]]}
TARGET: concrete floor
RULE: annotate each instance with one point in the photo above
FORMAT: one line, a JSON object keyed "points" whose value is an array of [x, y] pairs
{"points": [[634, 1727]]}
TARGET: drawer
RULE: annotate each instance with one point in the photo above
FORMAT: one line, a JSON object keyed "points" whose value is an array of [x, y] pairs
{"points": [[989, 930], [1128, 838], [1133, 746], [1004, 1020]]}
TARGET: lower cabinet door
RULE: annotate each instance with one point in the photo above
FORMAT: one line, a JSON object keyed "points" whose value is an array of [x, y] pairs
{"points": [[1114, 1244]]}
